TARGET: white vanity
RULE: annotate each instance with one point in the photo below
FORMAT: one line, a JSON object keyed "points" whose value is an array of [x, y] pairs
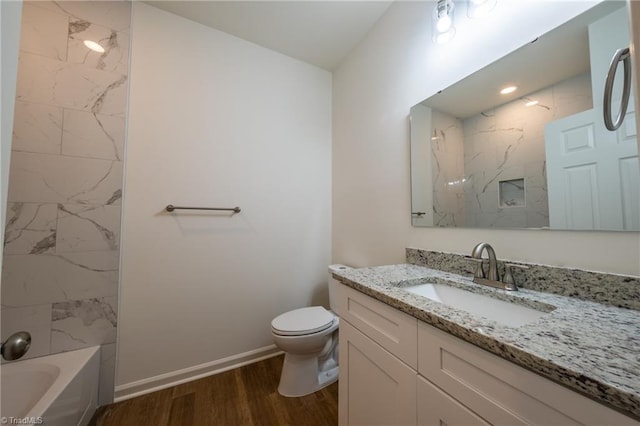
{"points": [[397, 369]]}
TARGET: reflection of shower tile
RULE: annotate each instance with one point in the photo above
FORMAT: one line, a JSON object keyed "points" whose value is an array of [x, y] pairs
{"points": [[107, 373], [116, 44], [31, 228], [36, 320], [54, 178], [37, 128], [43, 32], [77, 324], [75, 86], [110, 14], [93, 135], [87, 228], [39, 279], [537, 219]]}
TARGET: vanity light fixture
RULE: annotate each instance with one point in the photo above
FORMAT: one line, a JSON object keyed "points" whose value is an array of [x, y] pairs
{"points": [[94, 46], [443, 25], [477, 9], [508, 89]]}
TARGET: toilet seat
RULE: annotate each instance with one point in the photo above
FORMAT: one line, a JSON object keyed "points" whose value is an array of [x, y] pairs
{"points": [[302, 321]]}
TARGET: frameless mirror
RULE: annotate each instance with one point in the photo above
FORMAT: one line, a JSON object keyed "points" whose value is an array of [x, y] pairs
{"points": [[540, 156]]}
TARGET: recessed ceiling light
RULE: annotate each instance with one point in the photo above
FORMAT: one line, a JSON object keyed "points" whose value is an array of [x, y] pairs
{"points": [[508, 90], [531, 103], [94, 46]]}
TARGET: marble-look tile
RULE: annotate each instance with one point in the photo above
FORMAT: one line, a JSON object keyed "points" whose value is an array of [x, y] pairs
{"points": [[87, 228], [36, 320], [53, 178], [114, 14], [74, 86], [107, 374], [93, 135], [43, 32], [46, 278], [77, 324], [30, 229], [116, 47], [499, 143], [37, 128]]}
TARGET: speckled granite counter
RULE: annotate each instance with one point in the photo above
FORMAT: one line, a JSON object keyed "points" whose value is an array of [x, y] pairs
{"points": [[586, 346]]}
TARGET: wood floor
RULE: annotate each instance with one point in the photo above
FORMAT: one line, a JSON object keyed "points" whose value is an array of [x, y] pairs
{"points": [[244, 396]]}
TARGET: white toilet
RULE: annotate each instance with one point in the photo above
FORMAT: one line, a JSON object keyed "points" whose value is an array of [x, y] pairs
{"points": [[309, 338]]}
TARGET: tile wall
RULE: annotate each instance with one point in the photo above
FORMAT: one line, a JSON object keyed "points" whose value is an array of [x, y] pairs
{"points": [[447, 153], [62, 238], [507, 143]]}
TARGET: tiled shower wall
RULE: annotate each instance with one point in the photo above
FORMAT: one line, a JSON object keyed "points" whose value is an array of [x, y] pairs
{"points": [[60, 272], [507, 143], [447, 150]]}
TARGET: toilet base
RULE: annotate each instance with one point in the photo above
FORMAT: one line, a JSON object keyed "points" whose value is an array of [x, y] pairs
{"points": [[300, 376]]}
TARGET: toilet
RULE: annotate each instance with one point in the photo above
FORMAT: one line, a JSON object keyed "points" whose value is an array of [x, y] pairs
{"points": [[309, 339]]}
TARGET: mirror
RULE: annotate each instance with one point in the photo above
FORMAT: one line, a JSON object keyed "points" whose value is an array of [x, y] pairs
{"points": [[539, 157]]}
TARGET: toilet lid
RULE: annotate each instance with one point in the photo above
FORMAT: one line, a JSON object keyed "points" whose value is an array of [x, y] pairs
{"points": [[302, 321]]}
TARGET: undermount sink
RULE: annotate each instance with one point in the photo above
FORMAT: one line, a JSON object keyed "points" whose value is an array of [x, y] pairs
{"points": [[502, 312]]}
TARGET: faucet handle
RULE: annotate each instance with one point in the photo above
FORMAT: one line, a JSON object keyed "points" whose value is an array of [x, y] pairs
{"points": [[508, 277], [515, 265], [479, 273]]}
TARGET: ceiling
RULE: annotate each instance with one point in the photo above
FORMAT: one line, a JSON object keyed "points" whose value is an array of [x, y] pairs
{"points": [[558, 55], [321, 33]]}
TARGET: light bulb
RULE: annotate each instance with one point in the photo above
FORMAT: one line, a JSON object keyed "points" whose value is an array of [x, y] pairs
{"points": [[94, 46], [509, 89], [444, 23]]}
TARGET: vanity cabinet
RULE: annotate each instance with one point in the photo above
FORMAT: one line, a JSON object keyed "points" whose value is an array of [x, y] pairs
{"points": [[378, 361], [396, 370]]}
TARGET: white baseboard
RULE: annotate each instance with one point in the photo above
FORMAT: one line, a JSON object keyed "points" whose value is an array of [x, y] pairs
{"points": [[167, 380]]}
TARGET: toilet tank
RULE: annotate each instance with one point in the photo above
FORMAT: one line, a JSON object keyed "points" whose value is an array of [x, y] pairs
{"points": [[333, 287]]}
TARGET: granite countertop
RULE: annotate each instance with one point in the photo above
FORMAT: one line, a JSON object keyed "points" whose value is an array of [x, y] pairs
{"points": [[586, 346]]}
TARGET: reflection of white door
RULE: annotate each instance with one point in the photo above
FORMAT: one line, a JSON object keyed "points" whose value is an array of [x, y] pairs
{"points": [[593, 175]]}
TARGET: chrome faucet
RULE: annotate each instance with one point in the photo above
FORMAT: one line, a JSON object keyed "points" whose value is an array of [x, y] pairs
{"points": [[493, 278], [493, 262]]}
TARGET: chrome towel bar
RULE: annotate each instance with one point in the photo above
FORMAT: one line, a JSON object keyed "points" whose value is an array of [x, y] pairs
{"points": [[171, 208]]}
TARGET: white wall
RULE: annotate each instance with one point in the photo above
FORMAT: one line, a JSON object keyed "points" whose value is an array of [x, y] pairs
{"points": [[397, 66], [10, 19], [220, 122]]}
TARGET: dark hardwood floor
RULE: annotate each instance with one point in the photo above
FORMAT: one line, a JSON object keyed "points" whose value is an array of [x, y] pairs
{"points": [[245, 396]]}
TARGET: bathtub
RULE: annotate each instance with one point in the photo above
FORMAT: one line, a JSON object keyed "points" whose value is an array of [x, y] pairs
{"points": [[55, 390]]}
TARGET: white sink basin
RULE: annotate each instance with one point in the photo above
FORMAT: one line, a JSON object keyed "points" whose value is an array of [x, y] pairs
{"points": [[505, 313]]}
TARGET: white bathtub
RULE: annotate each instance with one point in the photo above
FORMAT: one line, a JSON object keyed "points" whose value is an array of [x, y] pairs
{"points": [[55, 390]]}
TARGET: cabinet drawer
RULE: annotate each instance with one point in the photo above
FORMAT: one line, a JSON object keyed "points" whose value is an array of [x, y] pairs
{"points": [[437, 408], [501, 392], [393, 330]]}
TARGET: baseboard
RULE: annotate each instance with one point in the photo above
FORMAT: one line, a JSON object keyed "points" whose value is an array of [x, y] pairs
{"points": [[167, 380]]}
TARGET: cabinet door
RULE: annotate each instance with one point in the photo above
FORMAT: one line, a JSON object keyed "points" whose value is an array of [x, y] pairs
{"points": [[437, 408], [376, 388]]}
